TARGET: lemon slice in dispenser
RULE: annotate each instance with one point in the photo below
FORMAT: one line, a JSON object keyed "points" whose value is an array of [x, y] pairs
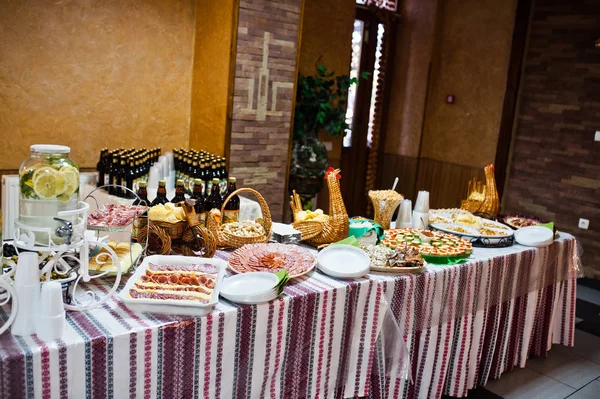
{"points": [[44, 183], [71, 177]]}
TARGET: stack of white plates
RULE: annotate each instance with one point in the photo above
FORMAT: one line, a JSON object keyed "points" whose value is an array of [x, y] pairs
{"points": [[250, 288], [343, 261], [534, 236]]}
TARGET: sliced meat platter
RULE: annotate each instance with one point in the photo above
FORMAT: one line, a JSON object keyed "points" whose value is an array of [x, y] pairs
{"points": [[115, 215], [272, 257], [194, 282]]}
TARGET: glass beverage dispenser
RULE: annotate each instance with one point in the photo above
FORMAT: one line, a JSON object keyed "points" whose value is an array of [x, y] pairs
{"points": [[49, 183]]}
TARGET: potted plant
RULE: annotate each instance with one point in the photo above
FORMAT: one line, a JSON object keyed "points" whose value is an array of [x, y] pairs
{"points": [[320, 106]]}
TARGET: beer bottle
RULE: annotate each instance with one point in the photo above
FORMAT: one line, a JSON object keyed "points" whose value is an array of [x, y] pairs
{"points": [[114, 169], [231, 212], [140, 221], [179, 193], [223, 174], [198, 195], [194, 175], [214, 199], [121, 176], [142, 195], [100, 166], [130, 177], [214, 175], [161, 194]]}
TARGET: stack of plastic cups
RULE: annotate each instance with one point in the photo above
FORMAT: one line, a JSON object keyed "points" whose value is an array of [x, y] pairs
{"points": [[404, 214], [421, 212], [27, 287], [51, 322]]}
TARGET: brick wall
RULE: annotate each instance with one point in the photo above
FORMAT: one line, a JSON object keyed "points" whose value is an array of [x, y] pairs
{"points": [[265, 73], [555, 170]]}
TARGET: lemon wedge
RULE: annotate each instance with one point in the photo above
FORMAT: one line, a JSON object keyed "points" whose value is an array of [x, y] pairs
{"points": [[71, 176], [44, 183]]}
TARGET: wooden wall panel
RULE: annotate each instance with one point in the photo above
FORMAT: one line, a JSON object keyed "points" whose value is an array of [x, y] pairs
{"points": [[446, 182]]}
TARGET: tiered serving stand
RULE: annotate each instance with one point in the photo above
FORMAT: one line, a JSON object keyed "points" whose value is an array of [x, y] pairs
{"points": [[68, 258]]}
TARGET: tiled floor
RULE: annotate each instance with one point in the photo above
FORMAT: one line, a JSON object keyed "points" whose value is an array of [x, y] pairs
{"points": [[572, 373]]}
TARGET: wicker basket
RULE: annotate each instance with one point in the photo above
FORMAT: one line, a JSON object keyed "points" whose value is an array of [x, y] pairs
{"points": [[227, 240], [385, 203], [190, 239], [335, 228], [173, 230]]}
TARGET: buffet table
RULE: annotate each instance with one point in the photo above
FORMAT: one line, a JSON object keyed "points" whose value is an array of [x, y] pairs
{"points": [[462, 324]]}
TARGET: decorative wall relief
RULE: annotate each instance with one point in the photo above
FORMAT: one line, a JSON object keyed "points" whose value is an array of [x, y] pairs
{"points": [[265, 72]]}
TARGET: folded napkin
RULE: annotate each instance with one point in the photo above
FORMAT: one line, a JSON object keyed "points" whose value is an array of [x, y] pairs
{"points": [[283, 277], [349, 241], [549, 225]]}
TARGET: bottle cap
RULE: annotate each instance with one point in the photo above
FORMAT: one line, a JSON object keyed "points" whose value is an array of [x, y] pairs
{"points": [[179, 182], [142, 184], [232, 180], [162, 183], [197, 182], [215, 181]]}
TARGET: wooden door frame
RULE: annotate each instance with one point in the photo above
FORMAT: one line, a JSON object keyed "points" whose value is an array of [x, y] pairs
{"points": [[509, 117]]}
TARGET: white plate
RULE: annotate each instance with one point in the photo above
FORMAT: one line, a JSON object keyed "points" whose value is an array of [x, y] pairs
{"points": [[173, 306], [250, 288], [343, 261], [534, 236]]}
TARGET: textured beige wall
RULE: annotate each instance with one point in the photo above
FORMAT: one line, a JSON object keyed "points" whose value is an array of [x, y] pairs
{"points": [[90, 74], [211, 83], [471, 62]]}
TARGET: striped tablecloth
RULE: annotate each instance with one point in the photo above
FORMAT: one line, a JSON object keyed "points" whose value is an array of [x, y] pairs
{"points": [[315, 341], [466, 323], [461, 324]]}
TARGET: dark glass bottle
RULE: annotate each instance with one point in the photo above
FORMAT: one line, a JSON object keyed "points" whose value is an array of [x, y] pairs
{"points": [[194, 175], [142, 194], [223, 176], [232, 207], [100, 167], [179, 192], [213, 174], [122, 178], [129, 176], [199, 206], [114, 169], [161, 194], [214, 199]]}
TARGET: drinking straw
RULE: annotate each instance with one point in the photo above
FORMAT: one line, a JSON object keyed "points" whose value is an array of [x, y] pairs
{"points": [[395, 184]]}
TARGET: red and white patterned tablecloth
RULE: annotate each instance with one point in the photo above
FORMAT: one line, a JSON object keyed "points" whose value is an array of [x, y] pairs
{"points": [[466, 323], [461, 324]]}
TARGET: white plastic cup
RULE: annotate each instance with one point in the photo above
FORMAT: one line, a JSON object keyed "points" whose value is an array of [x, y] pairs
{"points": [[28, 270], [420, 220], [51, 321], [422, 203], [27, 287], [404, 214]]}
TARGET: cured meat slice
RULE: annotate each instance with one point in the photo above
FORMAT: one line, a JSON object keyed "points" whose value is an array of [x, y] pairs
{"points": [[189, 282], [272, 258], [167, 295]]}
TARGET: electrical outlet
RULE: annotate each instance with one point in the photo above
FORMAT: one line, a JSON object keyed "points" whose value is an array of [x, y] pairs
{"points": [[584, 224], [597, 136]]}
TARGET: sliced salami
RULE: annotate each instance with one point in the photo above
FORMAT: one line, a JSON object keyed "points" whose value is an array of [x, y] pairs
{"points": [[272, 257]]}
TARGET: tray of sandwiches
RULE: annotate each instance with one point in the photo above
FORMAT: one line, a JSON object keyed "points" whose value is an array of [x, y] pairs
{"points": [[479, 231], [172, 284]]}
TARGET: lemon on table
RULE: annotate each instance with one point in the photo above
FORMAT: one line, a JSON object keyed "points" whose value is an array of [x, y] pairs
{"points": [[44, 183], [71, 177]]}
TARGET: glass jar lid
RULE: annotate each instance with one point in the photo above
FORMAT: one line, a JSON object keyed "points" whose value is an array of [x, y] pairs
{"points": [[50, 149]]}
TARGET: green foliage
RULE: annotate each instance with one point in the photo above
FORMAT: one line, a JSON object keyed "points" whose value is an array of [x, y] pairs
{"points": [[321, 103], [26, 185], [307, 206]]}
